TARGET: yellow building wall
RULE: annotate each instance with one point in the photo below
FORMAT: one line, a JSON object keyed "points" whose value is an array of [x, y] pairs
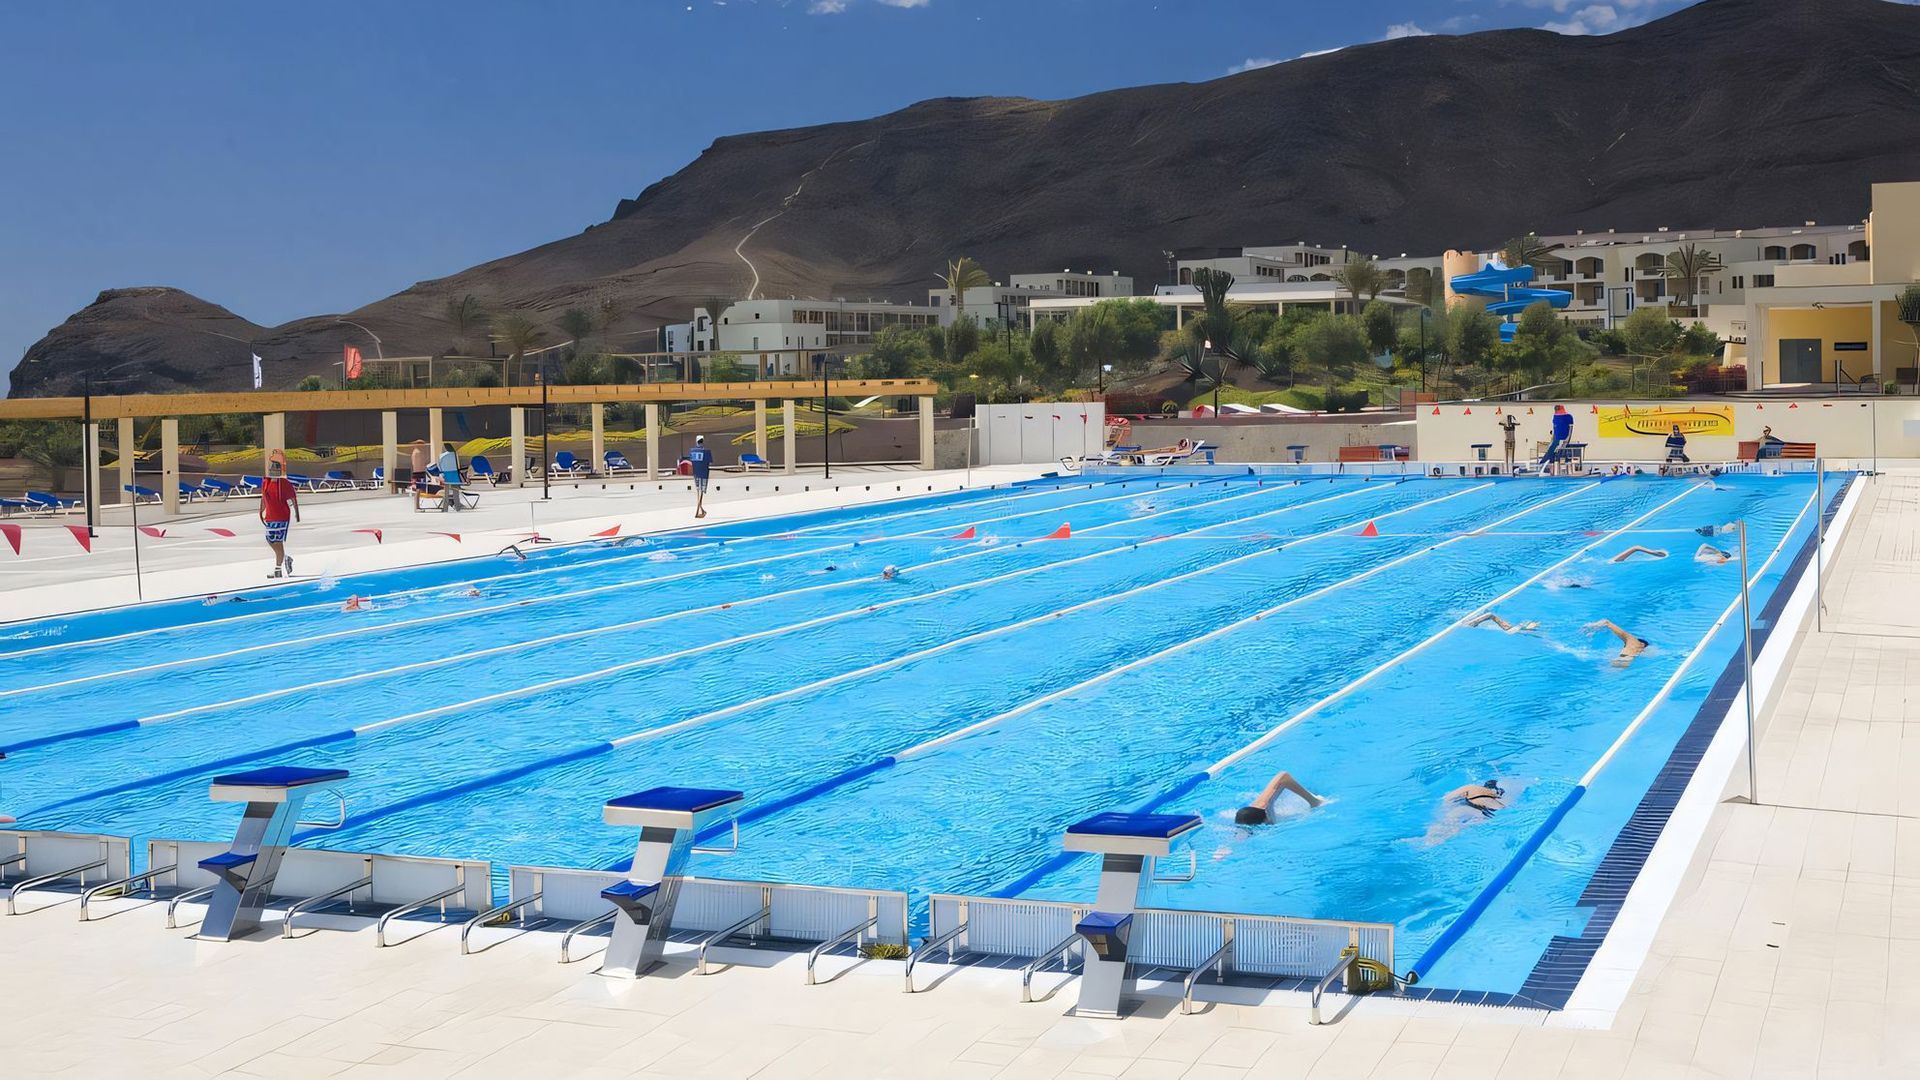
{"points": [[1827, 324], [1894, 233]]}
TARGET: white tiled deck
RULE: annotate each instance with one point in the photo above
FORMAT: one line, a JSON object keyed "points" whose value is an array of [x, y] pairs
{"points": [[1792, 950]]}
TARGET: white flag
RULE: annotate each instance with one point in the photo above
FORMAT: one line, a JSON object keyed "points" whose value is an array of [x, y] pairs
{"points": [[256, 371]]}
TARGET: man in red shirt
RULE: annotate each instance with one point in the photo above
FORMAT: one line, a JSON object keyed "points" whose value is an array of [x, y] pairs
{"points": [[279, 503]]}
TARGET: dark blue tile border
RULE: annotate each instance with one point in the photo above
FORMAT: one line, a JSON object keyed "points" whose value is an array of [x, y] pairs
{"points": [[1561, 966]]}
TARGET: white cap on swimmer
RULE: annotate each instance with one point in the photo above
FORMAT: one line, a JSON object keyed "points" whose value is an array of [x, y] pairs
{"points": [[699, 439]]}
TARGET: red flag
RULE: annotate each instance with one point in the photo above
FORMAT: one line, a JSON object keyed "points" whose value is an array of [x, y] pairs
{"points": [[1436, 410], [1594, 409], [353, 362], [1056, 416], [967, 534], [80, 534], [377, 537], [1064, 532], [1793, 404], [221, 532], [12, 533], [615, 531], [1370, 530], [456, 536], [153, 531]]}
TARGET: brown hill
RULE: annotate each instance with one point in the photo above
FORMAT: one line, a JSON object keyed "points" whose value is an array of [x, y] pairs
{"points": [[1732, 113]]}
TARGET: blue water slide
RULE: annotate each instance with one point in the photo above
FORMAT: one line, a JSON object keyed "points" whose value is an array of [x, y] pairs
{"points": [[1500, 283]]}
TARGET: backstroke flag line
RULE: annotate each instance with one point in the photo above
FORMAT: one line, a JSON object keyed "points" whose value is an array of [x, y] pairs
{"points": [[353, 362], [256, 371]]}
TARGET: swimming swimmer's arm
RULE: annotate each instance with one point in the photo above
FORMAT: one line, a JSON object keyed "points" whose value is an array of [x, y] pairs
{"points": [[1284, 781], [1638, 550]]}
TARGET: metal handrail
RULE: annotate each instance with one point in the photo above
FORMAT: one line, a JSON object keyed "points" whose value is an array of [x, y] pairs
{"points": [[335, 792], [87, 897], [930, 945], [1026, 973], [1218, 961], [380, 927], [1313, 1006], [173, 905], [871, 923], [566, 939], [286, 924], [700, 956], [493, 913], [14, 893]]}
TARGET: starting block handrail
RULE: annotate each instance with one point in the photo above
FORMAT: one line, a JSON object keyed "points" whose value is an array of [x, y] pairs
{"points": [[187, 897], [347, 890], [1218, 961], [700, 954], [493, 913], [872, 922], [566, 939], [13, 894], [931, 944], [125, 882], [380, 926], [1319, 988], [1060, 950]]}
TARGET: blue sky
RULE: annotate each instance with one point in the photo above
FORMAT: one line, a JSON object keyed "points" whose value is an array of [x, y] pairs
{"points": [[293, 159]]}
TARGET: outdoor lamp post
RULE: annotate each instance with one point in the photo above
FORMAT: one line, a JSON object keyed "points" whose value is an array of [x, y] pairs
{"points": [[1101, 377], [546, 463], [826, 420], [1206, 347], [1423, 349]]}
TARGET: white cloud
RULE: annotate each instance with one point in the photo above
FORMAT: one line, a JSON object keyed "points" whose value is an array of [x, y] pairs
{"points": [[827, 7], [905, 3], [1592, 19], [1405, 30], [1253, 63]]}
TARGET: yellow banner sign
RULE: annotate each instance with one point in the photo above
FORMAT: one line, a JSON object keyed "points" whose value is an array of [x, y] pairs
{"points": [[1637, 420]]}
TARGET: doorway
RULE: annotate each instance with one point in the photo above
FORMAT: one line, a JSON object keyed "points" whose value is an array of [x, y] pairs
{"points": [[1800, 360]]}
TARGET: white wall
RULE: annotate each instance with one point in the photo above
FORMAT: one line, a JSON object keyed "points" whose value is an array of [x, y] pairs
{"points": [[1030, 434], [1841, 427]]}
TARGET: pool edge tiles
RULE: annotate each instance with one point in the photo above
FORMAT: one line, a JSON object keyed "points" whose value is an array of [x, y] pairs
{"points": [[1565, 962]]}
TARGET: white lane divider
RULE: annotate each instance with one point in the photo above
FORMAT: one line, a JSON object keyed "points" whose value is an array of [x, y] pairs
{"points": [[936, 650], [1667, 688], [1180, 647], [652, 620], [1217, 767], [728, 643], [522, 602], [524, 575]]}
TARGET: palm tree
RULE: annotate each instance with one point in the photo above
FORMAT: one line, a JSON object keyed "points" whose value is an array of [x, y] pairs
{"points": [[518, 332], [606, 313], [464, 315], [1528, 250], [577, 324], [1686, 266], [963, 274], [1361, 275]]}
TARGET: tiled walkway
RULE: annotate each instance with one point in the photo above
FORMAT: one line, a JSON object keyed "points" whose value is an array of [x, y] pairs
{"points": [[1792, 950]]}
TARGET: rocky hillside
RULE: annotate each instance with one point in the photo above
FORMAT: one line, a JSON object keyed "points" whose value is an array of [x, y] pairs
{"points": [[1730, 113]]}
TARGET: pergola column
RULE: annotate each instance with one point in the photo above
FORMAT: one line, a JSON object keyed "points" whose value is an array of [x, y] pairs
{"points": [[170, 465], [273, 433], [760, 429], [389, 446], [517, 434], [787, 445], [599, 460], [126, 437], [926, 432], [90, 463], [435, 437], [653, 439]]}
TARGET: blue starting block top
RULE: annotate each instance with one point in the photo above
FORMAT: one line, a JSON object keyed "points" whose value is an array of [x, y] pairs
{"points": [[1129, 834], [270, 784], [1480, 446], [666, 807]]}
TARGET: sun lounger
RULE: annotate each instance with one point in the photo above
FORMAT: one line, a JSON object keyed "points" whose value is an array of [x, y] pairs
{"points": [[304, 483], [341, 480], [616, 463], [141, 494], [191, 492], [1185, 451], [47, 501], [482, 469], [19, 506], [213, 486], [566, 464], [750, 462], [250, 485]]}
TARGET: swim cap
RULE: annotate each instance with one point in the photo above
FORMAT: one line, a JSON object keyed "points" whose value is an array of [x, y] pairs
{"points": [[1250, 815]]}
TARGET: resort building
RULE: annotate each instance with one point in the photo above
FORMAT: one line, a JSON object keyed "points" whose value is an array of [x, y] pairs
{"points": [[1185, 299], [786, 335], [1005, 304]]}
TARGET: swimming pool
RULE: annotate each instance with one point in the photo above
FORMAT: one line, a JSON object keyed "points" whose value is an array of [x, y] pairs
{"points": [[937, 731]]}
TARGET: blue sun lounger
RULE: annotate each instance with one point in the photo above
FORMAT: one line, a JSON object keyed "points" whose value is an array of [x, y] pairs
{"points": [[141, 494], [47, 501], [479, 468], [565, 462], [617, 463]]}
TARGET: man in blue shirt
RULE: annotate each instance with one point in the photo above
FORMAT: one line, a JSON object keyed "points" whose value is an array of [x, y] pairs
{"points": [[450, 479], [701, 459], [1677, 446], [1562, 435]]}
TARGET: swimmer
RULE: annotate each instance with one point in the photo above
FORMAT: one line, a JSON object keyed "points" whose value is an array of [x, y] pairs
{"points": [[1651, 553], [1259, 811], [1490, 617], [358, 603], [1710, 554], [1464, 806], [889, 572], [216, 598], [1715, 530], [1630, 645], [473, 592]]}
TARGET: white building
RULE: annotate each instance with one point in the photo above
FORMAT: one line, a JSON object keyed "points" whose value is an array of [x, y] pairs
{"points": [[1005, 304], [1185, 299], [784, 337]]}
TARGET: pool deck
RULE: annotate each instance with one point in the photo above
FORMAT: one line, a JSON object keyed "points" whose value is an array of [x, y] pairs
{"points": [[1791, 950]]}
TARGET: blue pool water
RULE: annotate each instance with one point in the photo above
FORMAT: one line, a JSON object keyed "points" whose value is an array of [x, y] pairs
{"points": [[937, 732]]}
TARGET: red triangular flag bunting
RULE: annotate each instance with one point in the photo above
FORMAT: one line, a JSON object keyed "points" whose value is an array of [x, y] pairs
{"points": [[1468, 411], [615, 531], [1370, 530], [221, 532], [1757, 407], [1596, 409], [1064, 532], [966, 534], [1793, 405], [12, 533], [456, 536], [1056, 416], [1436, 410], [377, 537], [80, 534], [153, 531], [1496, 412], [1529, 410]]}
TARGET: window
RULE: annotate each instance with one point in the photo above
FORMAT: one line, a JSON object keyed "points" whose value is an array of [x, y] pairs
{"points": [[1858, 251], [1763, 281], [1774, 252], [1802, 251]]}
